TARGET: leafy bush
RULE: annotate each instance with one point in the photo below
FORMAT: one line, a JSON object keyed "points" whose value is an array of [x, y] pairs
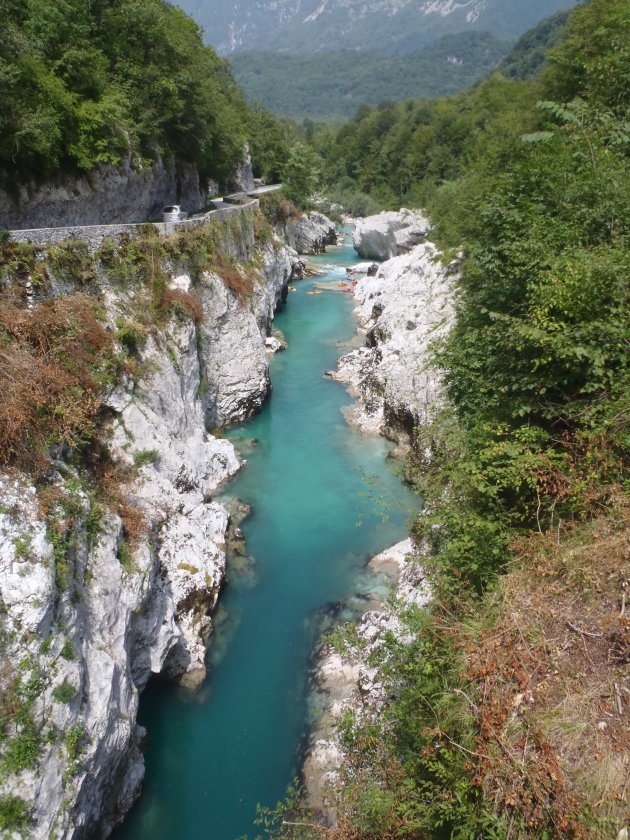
{"points": [[301, 174], [130, 79], [64, 692], [67, 651], [277, 208], [14, 813]]}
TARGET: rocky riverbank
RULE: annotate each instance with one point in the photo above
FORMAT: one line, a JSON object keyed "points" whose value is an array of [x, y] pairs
{"points": [[95, 600], [346, 682], [402, 308]]}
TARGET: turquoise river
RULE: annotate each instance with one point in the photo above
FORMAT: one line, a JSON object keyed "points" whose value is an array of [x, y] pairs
{"points": [[324, 499]]}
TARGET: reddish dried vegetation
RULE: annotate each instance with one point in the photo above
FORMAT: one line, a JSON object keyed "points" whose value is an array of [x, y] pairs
{"points": [[238, 281], [552, 683], [51, 361], [186, 303]]}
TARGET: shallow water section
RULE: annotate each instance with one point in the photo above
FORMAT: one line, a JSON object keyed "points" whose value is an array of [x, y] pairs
{"points": [[324, 499]]}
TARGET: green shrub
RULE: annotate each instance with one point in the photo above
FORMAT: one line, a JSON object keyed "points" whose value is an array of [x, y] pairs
{"points": [[131, 335], [14, 813], [125, 557], [144, 457], [64, 692], [67, 651], [22, 751]]}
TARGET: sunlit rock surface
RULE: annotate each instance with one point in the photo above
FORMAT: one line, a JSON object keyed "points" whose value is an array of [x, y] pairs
{"points": [[405, 307], [389, 234]]}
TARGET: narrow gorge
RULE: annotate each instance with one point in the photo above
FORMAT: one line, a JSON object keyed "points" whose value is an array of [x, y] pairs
{"points": [[314, 434], [112, 573], [323, 501]]}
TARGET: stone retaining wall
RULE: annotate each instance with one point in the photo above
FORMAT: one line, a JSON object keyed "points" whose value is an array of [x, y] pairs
{"points": [[95, 234]]}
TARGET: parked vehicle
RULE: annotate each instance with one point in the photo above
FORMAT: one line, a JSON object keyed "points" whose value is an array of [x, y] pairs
{"points": [[174, 213]]}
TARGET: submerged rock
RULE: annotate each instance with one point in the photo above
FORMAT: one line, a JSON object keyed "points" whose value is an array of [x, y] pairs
{"points": [[274, 345]]}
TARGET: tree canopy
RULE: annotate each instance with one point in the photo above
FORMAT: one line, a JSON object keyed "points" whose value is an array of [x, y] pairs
{"points": [[88, 83]]}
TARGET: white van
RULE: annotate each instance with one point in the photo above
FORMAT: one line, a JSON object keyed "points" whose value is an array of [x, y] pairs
{"points": [[174, 213]]}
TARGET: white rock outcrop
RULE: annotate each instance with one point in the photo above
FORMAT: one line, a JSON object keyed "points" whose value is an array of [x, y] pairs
{"points": [[309, 233], [402, 308], [234, 339], [348, 682], [406, 306], [88, 612], [389, 234]]}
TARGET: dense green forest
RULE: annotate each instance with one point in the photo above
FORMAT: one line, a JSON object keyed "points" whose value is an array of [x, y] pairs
{"points": [[334, 84], [83, 84], [527, 56], [504, 717]]}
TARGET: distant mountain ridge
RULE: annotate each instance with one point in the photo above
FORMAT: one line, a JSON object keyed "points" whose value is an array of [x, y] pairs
{"points": [[301, 86], [392, 26]]}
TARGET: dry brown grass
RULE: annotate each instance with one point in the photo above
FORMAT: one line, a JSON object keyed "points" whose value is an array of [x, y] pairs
{"points": [[186, 303], [113, 481], [552, 681], [50, 360], [237, 279]]}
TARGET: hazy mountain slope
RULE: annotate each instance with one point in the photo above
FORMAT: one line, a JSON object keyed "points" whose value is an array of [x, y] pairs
{"points": [[527, 56], [306, 86], [384, 25]]}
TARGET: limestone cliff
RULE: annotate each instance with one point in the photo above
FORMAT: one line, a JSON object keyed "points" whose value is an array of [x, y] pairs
{"points": [[389, 234], [309, 233], [402, 309], [106, 195], [90, 609]]}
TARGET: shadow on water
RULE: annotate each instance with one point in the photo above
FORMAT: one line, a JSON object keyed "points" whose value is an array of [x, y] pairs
{"points": [[324, 499]]}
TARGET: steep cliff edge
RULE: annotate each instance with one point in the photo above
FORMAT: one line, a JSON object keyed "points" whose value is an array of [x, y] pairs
{"points": [[105, 195], [112, 552], [309, 233]]}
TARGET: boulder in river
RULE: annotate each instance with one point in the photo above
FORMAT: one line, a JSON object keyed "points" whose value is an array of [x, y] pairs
{"points": [[389, 234], [309, 233]]}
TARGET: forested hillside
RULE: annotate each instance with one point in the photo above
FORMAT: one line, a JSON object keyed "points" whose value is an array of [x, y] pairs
{"points": [[527, 55], [508, 712], [310, 86], [83, 84]]}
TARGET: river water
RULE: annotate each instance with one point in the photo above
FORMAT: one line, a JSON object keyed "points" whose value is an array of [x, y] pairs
{"points": [[324, 499]]}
